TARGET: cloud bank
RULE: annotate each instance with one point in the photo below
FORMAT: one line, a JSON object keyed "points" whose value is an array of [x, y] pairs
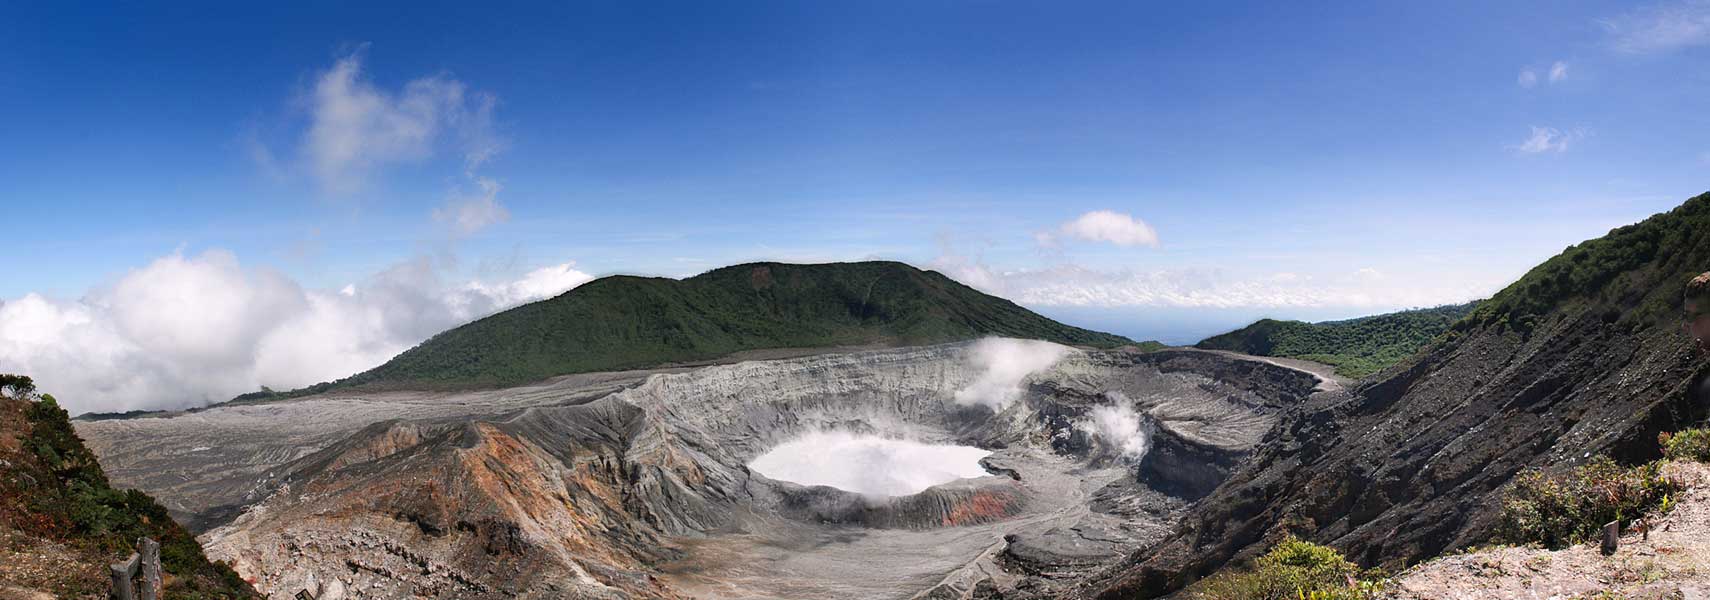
{"points": [[1076, 286], [189, 330], [1001, 364]]}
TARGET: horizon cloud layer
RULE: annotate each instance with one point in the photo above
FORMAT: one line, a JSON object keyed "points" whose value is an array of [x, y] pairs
{"points": [[188, 331]]}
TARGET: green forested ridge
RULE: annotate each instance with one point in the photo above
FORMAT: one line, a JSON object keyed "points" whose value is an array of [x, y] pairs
{"points": [[624, 322], [1356, 347], [1636, 274], [51, 487]]}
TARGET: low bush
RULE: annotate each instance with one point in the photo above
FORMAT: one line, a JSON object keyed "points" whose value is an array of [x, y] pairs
{"points": [[1689, 444], [1294, 569], [1560, 510], [71, 500]]}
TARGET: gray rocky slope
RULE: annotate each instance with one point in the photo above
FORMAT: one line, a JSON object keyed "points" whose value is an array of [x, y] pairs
{"points": [[1582, 356], [635, 484]]}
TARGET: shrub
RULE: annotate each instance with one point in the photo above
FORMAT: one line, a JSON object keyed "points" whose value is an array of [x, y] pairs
{"points": [[75, 502], [1690, 444], [1558, 511], [17, 386], [1292, 570]]}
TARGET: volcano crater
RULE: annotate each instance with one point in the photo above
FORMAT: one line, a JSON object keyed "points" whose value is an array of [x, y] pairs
{"points": [[692, 482]]}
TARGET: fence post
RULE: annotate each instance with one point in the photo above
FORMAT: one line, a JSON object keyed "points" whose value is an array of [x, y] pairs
{"points": [[150, 569], [122, 573], [1611, 537]]}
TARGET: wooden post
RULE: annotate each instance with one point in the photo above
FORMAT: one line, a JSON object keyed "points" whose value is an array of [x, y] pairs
{"points": [[1611, 537], [122, 573], [151, 582]]}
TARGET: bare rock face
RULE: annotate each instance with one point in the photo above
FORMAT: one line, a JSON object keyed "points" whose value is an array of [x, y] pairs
{"points": [[636, 485]]}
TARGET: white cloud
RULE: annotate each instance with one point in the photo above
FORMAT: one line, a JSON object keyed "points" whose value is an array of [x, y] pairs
{"points": [[1557, 73], [184, 331], [1075, 286], [1549, 139], [1528, 78], [466, 214], [1662, 27], [1103, 226], [356, 127], [544, 282]]}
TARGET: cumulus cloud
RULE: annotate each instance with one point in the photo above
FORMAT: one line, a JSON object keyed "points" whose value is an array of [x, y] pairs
{"points": [[1661, 27], [356, 128], [188, 330], [1558, 72], [1548, 140], [1119, 426], [1103, 226], [1000, 365]]}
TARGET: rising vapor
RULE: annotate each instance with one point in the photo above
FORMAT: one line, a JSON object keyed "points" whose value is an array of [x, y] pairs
{"points": [[1001, 364], [1119, 426]]}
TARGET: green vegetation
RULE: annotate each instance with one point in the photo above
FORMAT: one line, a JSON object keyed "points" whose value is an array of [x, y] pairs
{"points": [[55, 489], [1633, 277], [1689, 444], [1293, 570], [17, 386], [1356, 347], [1559, 511], [627, 322]]}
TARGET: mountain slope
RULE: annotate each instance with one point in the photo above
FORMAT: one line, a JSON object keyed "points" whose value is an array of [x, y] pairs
{"points": [[1356, 347], [61, 523], [1583, 355], [624, 322]]}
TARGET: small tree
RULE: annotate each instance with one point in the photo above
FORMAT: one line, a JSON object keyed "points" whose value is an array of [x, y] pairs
{"points": [[17, 386]]}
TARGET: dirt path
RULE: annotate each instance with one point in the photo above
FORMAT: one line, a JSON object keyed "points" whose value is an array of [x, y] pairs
{"points": [[1328, 380]]}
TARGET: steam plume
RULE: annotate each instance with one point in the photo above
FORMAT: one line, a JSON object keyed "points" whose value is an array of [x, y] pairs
{"points": [[1119, 426], [1002, 364]]}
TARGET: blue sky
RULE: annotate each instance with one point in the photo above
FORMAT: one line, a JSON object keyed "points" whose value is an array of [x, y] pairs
{"points": [[1290, 159]]}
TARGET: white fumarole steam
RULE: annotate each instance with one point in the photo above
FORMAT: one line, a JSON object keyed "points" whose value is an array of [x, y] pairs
{"points": [[1119, 426], [1002, 364], [868, 464]]}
